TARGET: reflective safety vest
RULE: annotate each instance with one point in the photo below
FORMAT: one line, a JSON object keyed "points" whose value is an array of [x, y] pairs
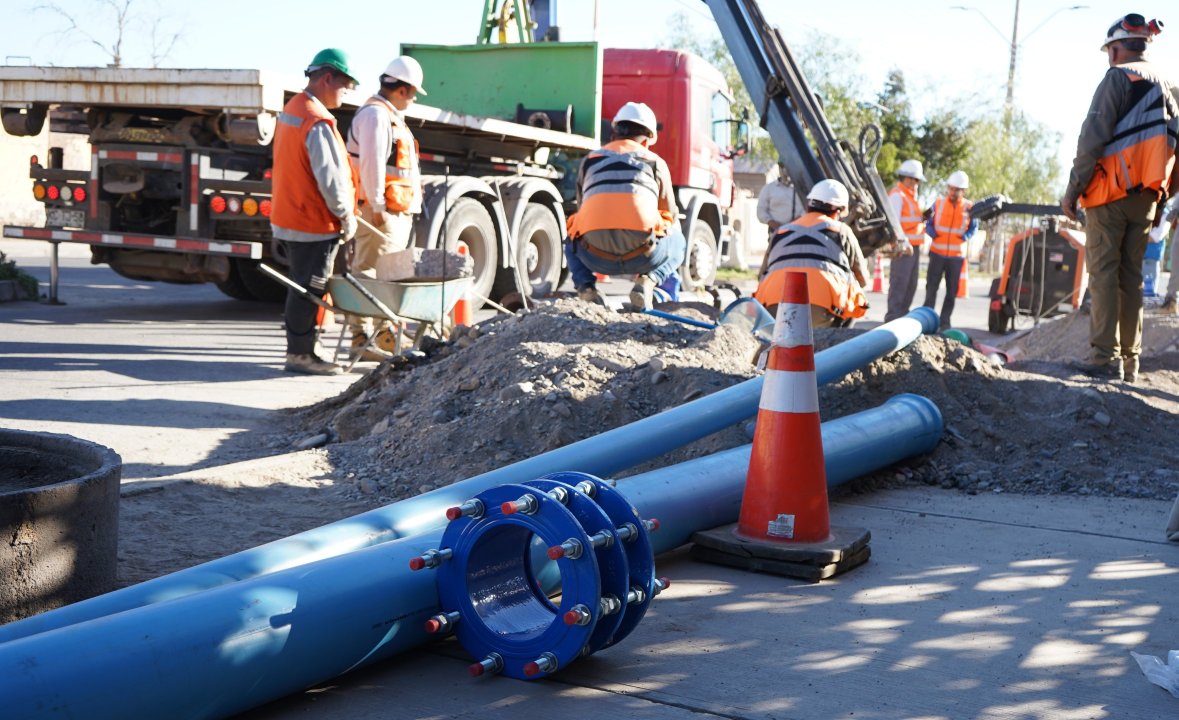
{"points": [[912, 223], [1141, 154], [950, 221], [813, 244], [403, 178], [619, 215], [296, 202]]}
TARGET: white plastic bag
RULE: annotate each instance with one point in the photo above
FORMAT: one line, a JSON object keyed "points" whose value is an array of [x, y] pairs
{"points": [[1165, 675]]}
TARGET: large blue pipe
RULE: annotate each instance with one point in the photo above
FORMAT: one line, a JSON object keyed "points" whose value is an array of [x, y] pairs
{"points": [[603, 455], [219, 652]]}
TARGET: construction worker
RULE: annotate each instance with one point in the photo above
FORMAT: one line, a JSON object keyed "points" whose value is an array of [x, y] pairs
{"points": [[385, 154], [827, 250], [314, 199], [1170, 304], [626, 223], [951, 227], [1123, 170], [903, 268], [777, 203]]}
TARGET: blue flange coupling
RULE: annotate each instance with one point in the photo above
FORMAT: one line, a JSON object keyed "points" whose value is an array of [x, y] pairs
{"points": [[537, 574]]}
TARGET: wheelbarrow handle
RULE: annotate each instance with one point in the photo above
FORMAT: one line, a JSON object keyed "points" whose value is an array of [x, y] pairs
{"points": [[283, 279], [389, 314]]}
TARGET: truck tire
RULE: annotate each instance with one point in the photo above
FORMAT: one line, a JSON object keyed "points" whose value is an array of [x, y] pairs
{"points": [[699, 269], [469, 223], [538, 252], [261, 287], [234, 287]]}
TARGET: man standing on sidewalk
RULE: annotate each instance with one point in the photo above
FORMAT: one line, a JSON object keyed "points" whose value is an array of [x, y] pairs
{"points": [[314, 200], [1123, 168]]}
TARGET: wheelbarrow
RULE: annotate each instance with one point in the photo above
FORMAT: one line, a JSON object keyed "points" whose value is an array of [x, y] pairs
{"points": [[426, 302]]}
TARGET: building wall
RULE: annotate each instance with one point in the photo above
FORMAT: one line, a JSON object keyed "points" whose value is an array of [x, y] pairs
{"points": [[17, 205]]}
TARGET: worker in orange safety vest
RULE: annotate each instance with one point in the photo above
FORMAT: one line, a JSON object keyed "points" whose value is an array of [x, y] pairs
{"points": [[314, 200], [903, 269], [951, 227], [824, 248], [1123, 171], [385, 154]]}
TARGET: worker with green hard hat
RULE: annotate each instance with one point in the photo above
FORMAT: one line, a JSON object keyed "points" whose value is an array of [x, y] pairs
{"points": [[314, 200]]}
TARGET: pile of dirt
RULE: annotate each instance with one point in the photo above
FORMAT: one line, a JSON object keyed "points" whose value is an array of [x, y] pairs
{"points": [[516, 386]]}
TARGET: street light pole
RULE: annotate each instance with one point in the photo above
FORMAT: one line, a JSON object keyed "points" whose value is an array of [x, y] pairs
{"points": [[1011, 66]]}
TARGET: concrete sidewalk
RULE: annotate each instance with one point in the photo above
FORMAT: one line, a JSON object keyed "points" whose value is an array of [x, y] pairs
{"points": [[988, 606]]}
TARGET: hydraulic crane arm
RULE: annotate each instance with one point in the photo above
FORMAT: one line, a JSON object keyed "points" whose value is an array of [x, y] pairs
{"points": [[789, 109]]}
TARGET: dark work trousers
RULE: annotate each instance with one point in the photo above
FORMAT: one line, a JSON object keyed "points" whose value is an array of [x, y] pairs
{"points": [[951, 269], [310, 266], [902, 284]]}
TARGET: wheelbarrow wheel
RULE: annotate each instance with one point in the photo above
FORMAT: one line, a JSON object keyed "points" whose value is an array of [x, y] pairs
{"points": [[469, 223]]}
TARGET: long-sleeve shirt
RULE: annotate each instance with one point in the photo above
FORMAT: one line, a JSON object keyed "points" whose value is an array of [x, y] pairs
{"points": [[370, 140], [778, 203], [334, 179]]}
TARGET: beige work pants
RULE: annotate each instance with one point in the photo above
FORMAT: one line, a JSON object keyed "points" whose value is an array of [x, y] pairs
{"points": [[370, 245], [1115, 243]]}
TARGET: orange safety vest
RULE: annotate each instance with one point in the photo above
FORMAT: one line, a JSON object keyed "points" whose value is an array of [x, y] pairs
{"points": [[812, 244], [297, 203], [403, 180], [950, 221], [1141, 154], [619, 191], [912, 223]]}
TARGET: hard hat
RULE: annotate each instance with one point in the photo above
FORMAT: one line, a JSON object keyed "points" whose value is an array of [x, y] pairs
{"points": [[958, 179], [407, 70], [831, 192], [1132, 26], [639, 114], [333, 58], [911, 168]]}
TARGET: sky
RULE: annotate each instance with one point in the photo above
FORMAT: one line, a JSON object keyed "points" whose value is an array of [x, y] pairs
{"points": [[947, 55]]}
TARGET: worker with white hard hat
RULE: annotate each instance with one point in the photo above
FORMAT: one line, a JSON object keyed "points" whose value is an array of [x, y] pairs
{"points": [[314, 200], [819, 244], [951, 227], [627, 219], [1123, 171], [903, 269], [386, 155]]}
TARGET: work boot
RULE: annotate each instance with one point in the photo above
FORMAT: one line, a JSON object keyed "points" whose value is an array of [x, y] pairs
{"points": [[1108, 370], [311, 364], [642, 294], [1170, 307], [590, 294], [1130, 369]]}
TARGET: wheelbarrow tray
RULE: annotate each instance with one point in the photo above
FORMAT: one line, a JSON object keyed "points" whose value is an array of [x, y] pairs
{"points": [[423, 300]]}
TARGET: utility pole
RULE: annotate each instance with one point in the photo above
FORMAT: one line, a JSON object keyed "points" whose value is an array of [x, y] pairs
{"points": [[1014, 52]]}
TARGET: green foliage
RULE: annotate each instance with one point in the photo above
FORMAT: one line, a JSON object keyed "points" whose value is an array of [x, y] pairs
{"points": [[27, 283], [1016, 157]]}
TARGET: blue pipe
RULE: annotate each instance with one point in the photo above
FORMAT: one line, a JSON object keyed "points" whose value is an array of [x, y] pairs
{"points": [[222, 651], [603, 455]]}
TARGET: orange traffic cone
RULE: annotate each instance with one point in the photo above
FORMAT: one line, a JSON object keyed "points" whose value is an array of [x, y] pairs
{"points": [[323, 316], [878, 275], [463, 313], [786, 488], [964, 280], [784, 525]]}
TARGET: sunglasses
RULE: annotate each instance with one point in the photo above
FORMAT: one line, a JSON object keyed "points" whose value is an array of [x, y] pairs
{"points": [[1137, 23]]}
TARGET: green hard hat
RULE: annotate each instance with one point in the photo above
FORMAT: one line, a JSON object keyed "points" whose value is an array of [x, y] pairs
{"points": [[333, 58]]}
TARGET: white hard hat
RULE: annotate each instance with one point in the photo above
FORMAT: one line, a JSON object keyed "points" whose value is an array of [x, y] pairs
{"points": [[958, 179], [913, 169], [407, 70], [831, 192], [639, 114], [1132, 26]]}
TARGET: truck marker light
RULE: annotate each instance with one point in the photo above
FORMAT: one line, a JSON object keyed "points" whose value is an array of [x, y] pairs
{"points": [[234, 204], [264, 207], [39, 191], [34, 160], [250, 206], [267, 173], [79, 194], [217, 204], [53, 193]]}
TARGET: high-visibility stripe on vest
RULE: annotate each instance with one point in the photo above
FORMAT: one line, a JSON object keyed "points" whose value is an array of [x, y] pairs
{"points": [[619, 209], [912, 223], [812, 244], [403, 178], [297, 203], [950, 221], [1141, 154]]}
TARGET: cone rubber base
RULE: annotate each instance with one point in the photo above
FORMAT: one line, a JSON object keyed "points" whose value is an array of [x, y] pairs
{"points": [[847, 548]]}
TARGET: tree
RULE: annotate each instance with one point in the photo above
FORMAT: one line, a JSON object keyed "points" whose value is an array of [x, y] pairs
{"points": [[124, 17]]}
